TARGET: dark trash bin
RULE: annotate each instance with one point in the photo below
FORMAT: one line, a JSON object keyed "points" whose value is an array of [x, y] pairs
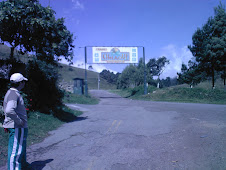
{"points": [[78, 86]]}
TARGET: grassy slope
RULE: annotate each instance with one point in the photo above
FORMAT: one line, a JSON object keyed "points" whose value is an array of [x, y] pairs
{"points": [[201, 93], [68, 73], [81, 99]]}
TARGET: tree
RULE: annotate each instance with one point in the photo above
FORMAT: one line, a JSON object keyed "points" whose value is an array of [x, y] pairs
{"points": [[28, 26], [133, 76], [209, 44], [128, 77], [220, 39], [42, 86], [139, 75], [109, 76], [191, 75], [156, 67], [166, 82]]}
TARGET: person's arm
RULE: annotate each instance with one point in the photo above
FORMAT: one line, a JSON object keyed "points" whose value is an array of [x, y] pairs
{"points": [[10, 112]]}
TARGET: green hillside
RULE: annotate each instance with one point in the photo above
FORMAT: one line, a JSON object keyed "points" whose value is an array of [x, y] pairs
{"points": [[202, 93], [68, 73]]}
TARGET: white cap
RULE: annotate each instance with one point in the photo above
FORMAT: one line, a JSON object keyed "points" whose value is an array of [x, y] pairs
{"points": [[17, 77]]}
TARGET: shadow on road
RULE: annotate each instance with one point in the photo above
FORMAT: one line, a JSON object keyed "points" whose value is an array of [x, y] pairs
{"points": [[81, 118], [112, 97], [39, 165]]}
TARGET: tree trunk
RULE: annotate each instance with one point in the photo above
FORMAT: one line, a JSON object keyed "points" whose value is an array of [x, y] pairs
{"points": [[224, 85], [213, 78], [224, 77], [158, 84]]}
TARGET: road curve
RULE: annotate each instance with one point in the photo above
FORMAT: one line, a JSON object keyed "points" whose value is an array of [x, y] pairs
{"points": [[124, 134]]}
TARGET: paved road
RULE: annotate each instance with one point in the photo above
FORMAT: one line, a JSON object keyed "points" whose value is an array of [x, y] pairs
{"points": [[124, 134]]}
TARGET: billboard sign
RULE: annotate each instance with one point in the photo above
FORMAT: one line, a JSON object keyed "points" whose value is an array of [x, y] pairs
{"points": [[111, 55]]}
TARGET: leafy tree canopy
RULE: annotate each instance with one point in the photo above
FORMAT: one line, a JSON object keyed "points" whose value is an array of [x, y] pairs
{"points": [[30, 27], [209, 44], [156, 67], [191, 74], [109, 76]]}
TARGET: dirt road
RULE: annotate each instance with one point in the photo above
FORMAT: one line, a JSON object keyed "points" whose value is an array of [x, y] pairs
{"points": [[124, 134]]}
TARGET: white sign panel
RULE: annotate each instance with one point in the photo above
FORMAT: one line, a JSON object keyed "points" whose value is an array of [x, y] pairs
{"points": [[115, 54]]}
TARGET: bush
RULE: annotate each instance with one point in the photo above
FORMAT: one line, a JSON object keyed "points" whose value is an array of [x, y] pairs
{"points": [[7, 68], [42, 90]]}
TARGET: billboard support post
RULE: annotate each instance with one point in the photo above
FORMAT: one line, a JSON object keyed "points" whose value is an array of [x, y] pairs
{"points": [[145, 81], [86, 88]]}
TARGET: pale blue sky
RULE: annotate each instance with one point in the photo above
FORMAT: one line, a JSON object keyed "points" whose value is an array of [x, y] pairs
{"points": [[163, 27]]}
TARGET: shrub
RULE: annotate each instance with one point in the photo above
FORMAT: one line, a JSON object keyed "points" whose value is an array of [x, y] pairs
{"points": [[42, 86]]}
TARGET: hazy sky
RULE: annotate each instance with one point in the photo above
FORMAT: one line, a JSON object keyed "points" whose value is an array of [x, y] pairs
{"points": [[163, 27]]}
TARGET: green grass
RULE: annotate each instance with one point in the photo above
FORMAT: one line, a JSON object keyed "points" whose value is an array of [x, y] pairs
{"points": [[3, 147], [133, 92], [79, 99], [180, 93], [188, 95], [39, 125]]}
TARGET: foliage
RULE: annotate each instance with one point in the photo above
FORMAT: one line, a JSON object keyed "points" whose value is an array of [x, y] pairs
{"points": [[109, 76], [42, 86], [128, 77], [8, 67], [28, 26], [192, 75], [41, 91], [139, 90], [3, 147], [156, 67], [209, 44], [133, 75], [176, 94], [133, 92], [166, 82]]}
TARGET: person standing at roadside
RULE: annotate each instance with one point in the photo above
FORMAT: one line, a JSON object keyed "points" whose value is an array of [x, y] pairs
{"points": [[15, 123]]}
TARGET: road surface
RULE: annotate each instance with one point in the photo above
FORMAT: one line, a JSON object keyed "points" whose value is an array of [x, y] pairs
{"points": [[124, 134]]}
